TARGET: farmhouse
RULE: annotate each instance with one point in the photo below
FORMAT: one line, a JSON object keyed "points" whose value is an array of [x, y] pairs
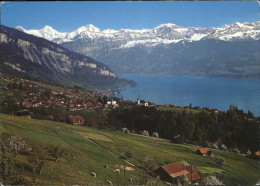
{"points": [[77, 120], [111, 102], [35, 103], [171, 172], [142, 103], [72, 105], [203, 151]]}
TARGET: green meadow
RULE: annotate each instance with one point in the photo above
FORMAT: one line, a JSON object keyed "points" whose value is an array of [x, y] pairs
{"points": [[93, 148]]}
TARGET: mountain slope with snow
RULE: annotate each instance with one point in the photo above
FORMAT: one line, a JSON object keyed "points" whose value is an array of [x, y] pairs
{"points": [[165, 33], [167, 49], [27, 55]]}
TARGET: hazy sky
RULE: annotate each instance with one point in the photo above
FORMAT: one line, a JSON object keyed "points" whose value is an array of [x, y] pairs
{"points": [[68, 16]]}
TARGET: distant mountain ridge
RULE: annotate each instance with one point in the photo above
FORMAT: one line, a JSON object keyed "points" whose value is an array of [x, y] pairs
{"points": [[39, 58], [168, 49], [162, 34]]}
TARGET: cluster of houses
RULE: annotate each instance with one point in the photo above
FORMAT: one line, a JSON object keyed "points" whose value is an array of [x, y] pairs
{"points": [[34, 95], [31, 94], [41, 95], [112, 102], [68, 98]]}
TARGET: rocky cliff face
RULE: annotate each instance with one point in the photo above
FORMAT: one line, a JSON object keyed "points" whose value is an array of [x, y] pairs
{"points": [[25, 54]]}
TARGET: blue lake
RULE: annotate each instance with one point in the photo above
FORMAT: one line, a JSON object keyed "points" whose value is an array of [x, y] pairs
{"points": [[200, 91]]}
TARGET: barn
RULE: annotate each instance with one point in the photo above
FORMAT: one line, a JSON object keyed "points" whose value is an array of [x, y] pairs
{"points": [[203, 151], [77, 120], [171, 172]]}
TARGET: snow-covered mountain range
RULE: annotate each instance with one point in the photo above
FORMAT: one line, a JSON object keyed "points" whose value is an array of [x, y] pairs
{"points": [[162, 34], [168, 49]]}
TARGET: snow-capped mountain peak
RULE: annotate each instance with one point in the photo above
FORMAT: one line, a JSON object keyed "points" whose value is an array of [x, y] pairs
{"points": [[48, 28], [238, 24], [46, 32], [20, 28], [87, 28], [81, 32], [167, 25]]}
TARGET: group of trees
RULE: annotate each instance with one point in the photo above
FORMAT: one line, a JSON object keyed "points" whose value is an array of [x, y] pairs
{"points": [[51, 113], [12, 171], [234, 128], [8, 105]]}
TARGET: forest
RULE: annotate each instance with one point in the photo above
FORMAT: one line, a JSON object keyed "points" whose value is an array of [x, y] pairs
{"points": [[234, 128]]}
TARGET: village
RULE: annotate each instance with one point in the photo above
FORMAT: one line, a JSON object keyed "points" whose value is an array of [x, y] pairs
{"points": [[31, 94], [28, 95]]}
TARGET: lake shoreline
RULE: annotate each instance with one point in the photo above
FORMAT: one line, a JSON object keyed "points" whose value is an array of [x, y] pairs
{"points": [[212, 92]]}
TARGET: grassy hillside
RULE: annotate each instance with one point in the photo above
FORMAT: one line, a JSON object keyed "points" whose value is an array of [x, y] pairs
{"points": [[85, 143]]}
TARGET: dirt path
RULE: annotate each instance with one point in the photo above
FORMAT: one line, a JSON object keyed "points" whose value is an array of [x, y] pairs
{"points": [[116, 154]]}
